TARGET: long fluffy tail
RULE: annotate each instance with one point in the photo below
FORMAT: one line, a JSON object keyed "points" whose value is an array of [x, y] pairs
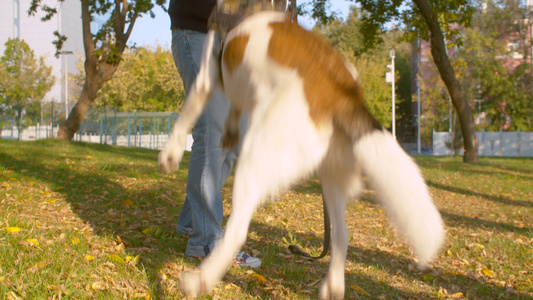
{"points": [[402, 192]]}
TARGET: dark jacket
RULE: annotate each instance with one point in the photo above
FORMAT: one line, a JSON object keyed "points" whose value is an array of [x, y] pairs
{"points": [[190, 14]]}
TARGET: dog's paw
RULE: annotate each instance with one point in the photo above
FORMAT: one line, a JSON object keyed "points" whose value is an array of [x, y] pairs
{"points": [[169, 160], [331, 290], [191, 284]]}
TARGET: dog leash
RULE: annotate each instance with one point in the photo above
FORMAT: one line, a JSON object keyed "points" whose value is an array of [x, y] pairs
{"points": [[327, 236]]}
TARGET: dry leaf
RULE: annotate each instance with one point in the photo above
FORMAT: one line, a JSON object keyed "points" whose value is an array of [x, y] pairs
{"points": [[117, 259], [12, 296], [457, 295], [487, 272], [12, 229], [428, 277], [120, 247], [32, 242], [360, 290], [259, 276], [98, 285]]}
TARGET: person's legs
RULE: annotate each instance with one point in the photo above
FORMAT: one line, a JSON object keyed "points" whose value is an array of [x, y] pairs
{"points": [[202, 212], [210, 165]]}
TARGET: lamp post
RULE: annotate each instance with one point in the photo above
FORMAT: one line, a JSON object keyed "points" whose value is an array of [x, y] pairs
{"points": [[65, 53], [418, 108], [389, 77]]}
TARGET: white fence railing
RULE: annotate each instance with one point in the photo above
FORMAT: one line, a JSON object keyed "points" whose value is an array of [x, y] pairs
{"points": [[498, 143]]}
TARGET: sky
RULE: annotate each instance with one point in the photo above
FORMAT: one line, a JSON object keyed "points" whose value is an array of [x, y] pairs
{"points": [[151, 32]]}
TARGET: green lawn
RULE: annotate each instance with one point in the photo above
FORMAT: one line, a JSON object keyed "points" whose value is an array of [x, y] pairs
{"points": [[85, 221]]}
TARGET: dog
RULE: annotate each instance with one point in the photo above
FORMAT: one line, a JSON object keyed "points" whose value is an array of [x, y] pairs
{"points": [[307, 115]]}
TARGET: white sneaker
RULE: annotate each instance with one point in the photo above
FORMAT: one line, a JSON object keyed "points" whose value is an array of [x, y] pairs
{"points": [[243, 259]]}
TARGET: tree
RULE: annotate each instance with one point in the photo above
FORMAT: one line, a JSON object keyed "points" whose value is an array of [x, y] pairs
{"points": [[426, 17], [103, 50], [498, 77], [24, 80], [371, 64], [147, 80]]}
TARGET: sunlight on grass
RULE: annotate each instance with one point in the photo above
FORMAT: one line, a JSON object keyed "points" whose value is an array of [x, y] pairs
{"points": [[90, 221]]}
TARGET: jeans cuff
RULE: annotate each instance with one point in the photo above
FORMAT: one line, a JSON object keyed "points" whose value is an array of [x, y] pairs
{"points": [[199, 250]]}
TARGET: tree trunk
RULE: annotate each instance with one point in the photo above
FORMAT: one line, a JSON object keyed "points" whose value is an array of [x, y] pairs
{"points": [[98, 70], [464, 111], [77, 115]]}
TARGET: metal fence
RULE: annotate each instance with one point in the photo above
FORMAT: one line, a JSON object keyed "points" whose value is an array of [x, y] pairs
{"points": [[138, 129], [107, 126]]}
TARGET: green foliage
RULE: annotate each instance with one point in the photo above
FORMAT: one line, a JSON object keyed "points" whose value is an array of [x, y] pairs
{"points": [[348, 38], [501, 89], [147, 81], [380, 14], [24, 80], [318, 10]]}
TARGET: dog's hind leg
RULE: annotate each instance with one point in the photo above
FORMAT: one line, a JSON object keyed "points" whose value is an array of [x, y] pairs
{"points": [[341, 180], [197, 99], [232, 129]]}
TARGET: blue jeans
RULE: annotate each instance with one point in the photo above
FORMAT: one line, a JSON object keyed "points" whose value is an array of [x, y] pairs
{"points": [[210, 164]]}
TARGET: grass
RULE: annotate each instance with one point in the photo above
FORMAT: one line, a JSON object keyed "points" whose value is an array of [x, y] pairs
{"points": [[85, 221]]}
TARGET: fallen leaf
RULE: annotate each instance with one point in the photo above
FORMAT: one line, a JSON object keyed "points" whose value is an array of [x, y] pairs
{"points": [[128, 202], [76, 241], [43, 263], [120, 247], [12, 296], [89, 257], [479, 246], [457, 295], [12, 229], [117, 259], [487, 272], [148, 230], [360, 290], [428, 277], [98, 285], [259, 276], [33, 242]]}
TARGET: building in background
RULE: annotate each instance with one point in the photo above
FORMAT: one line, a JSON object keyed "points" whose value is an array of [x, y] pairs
{"points": [[16, 23]]}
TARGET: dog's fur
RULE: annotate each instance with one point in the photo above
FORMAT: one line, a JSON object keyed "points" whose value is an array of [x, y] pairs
{"points": [[307, 115]]}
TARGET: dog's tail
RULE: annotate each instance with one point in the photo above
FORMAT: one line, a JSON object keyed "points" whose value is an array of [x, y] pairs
{"points": [[402, 192]]}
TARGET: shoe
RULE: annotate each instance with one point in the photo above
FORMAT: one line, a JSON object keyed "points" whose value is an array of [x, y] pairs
{"points": [[243, 259]]}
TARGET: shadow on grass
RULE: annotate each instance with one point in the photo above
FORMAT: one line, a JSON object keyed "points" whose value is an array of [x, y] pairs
{"points": [[97, 198], [396, 268], [500, 166], [499, 199]]}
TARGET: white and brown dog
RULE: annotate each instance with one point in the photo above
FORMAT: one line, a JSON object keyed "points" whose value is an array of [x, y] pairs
{"points": [[307, 114]]}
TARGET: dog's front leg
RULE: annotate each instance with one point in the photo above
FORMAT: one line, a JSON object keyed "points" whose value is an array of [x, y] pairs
{"points": [[216, 264], [197, 100]]}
